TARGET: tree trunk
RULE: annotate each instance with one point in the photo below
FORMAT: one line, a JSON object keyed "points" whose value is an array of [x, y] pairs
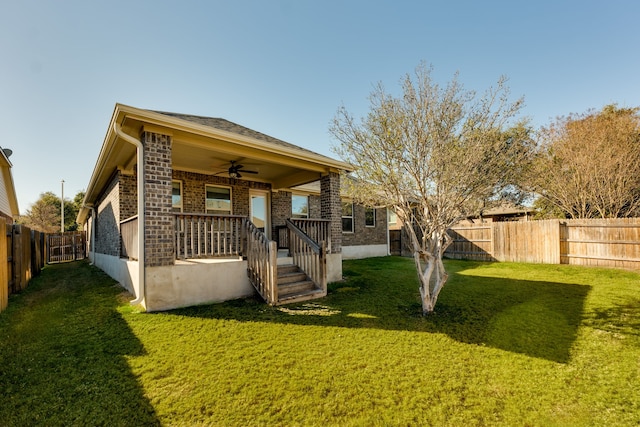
{"points": [[429, 266], [432, 277]]}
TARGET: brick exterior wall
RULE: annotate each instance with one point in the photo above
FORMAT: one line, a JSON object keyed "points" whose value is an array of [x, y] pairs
{"points": [[128, 195], [280, 209], [363, 235], [331, 208], [194, 193], [107, 231], [159, 223], [315, 210]]}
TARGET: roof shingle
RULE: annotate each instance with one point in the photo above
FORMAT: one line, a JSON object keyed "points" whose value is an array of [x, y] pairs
{"points": [[227, 126]]}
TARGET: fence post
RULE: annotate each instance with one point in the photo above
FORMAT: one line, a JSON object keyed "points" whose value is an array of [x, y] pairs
{"points": [[16, 258], [4, 271], [557, 242]]}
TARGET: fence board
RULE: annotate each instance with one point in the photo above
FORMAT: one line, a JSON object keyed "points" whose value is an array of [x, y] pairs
{"points": [[21, 258], [530, 241], [605, 243], [472, 241], [5, 265]]}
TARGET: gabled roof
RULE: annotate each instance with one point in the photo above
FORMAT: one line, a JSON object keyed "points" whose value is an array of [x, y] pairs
{"points": [[197, 142]]}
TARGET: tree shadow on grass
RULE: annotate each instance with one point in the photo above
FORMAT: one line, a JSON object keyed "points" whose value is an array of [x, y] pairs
{"points": [[538, 319], [622, 318], [63, 350]]}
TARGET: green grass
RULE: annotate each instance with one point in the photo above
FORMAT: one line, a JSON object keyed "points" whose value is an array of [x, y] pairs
{"points": [[508, 344]]}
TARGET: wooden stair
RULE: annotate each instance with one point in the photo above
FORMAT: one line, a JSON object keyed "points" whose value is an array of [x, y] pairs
{"points": [[295, 286]]}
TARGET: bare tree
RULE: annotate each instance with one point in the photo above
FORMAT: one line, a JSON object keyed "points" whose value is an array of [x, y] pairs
{"points": [[588, 165], [435, 155]]}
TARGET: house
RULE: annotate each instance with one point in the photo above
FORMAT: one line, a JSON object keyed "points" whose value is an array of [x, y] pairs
{"points": [[8, 199], [225, 212]]}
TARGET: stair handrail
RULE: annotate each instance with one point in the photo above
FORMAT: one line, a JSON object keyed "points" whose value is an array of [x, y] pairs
{"points": [[262, 257], [308, 255]]}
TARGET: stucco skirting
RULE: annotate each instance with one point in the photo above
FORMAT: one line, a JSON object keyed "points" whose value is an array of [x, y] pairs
{"points": [[194, 283], [334, 267], [123, 271], [364, 251]]}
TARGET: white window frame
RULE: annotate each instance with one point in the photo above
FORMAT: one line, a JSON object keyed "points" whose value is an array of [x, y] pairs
{"points": [[344, 217], [230, 199]]}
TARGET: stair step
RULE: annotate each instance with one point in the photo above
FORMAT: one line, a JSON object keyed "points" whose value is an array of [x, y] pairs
{"points": [[283, 279], [287, 268], [295, 288], [301, 296]]}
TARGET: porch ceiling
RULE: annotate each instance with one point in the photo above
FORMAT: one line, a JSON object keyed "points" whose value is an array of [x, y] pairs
{"points": [[214, 158]]}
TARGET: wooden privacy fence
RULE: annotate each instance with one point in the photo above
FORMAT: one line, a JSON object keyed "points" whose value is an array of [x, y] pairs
{"points": [[605, 243], [24, 252]]}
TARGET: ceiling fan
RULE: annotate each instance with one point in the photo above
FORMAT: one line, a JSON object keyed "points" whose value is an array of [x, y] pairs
{"points": [[235, 169]]}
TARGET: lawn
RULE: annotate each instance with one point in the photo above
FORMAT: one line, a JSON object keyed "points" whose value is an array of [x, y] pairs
{"points": [[509, 344]]}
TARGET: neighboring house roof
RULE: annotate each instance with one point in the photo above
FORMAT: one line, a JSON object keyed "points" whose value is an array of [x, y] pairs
{"points": [[8, 197], [507, 211]]}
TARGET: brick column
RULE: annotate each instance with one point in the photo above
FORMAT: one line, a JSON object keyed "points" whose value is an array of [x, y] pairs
{"points": [[159, 226], [331, 208]]}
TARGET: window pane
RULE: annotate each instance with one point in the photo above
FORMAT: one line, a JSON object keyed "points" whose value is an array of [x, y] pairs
{"points": [[369, 217], [218, 200], [347, 209], [393, 217], [347, 225], [176, 197], [299, 206]]}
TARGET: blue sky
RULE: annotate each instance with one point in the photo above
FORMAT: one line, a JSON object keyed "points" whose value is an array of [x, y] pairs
{"points": [[284, 67]]}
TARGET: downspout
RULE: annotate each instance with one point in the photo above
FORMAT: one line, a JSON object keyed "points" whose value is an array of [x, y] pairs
{"points": [[93, 232], [140, 154], [388, 235]]}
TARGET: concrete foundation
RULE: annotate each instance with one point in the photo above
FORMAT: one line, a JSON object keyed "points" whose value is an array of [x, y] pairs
{"points": [[364, 251]]}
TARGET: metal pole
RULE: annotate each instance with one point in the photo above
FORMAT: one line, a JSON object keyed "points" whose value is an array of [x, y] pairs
{"points": [[62, 208]]}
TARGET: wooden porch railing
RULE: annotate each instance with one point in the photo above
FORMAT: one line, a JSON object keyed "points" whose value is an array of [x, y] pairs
{"points": [[319, 230], [308, 255], [208, 235], [129, 238], [262, 268]]}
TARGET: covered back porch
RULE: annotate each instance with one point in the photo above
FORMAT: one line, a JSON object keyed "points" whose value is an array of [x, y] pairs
{"points": [[280, 274], [218, 202]]}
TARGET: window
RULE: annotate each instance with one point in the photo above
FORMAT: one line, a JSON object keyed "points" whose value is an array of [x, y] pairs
{"points": [[347, 217], [299, 206], [176, 196], [218, 200], [393, 216], [369, 217]]}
